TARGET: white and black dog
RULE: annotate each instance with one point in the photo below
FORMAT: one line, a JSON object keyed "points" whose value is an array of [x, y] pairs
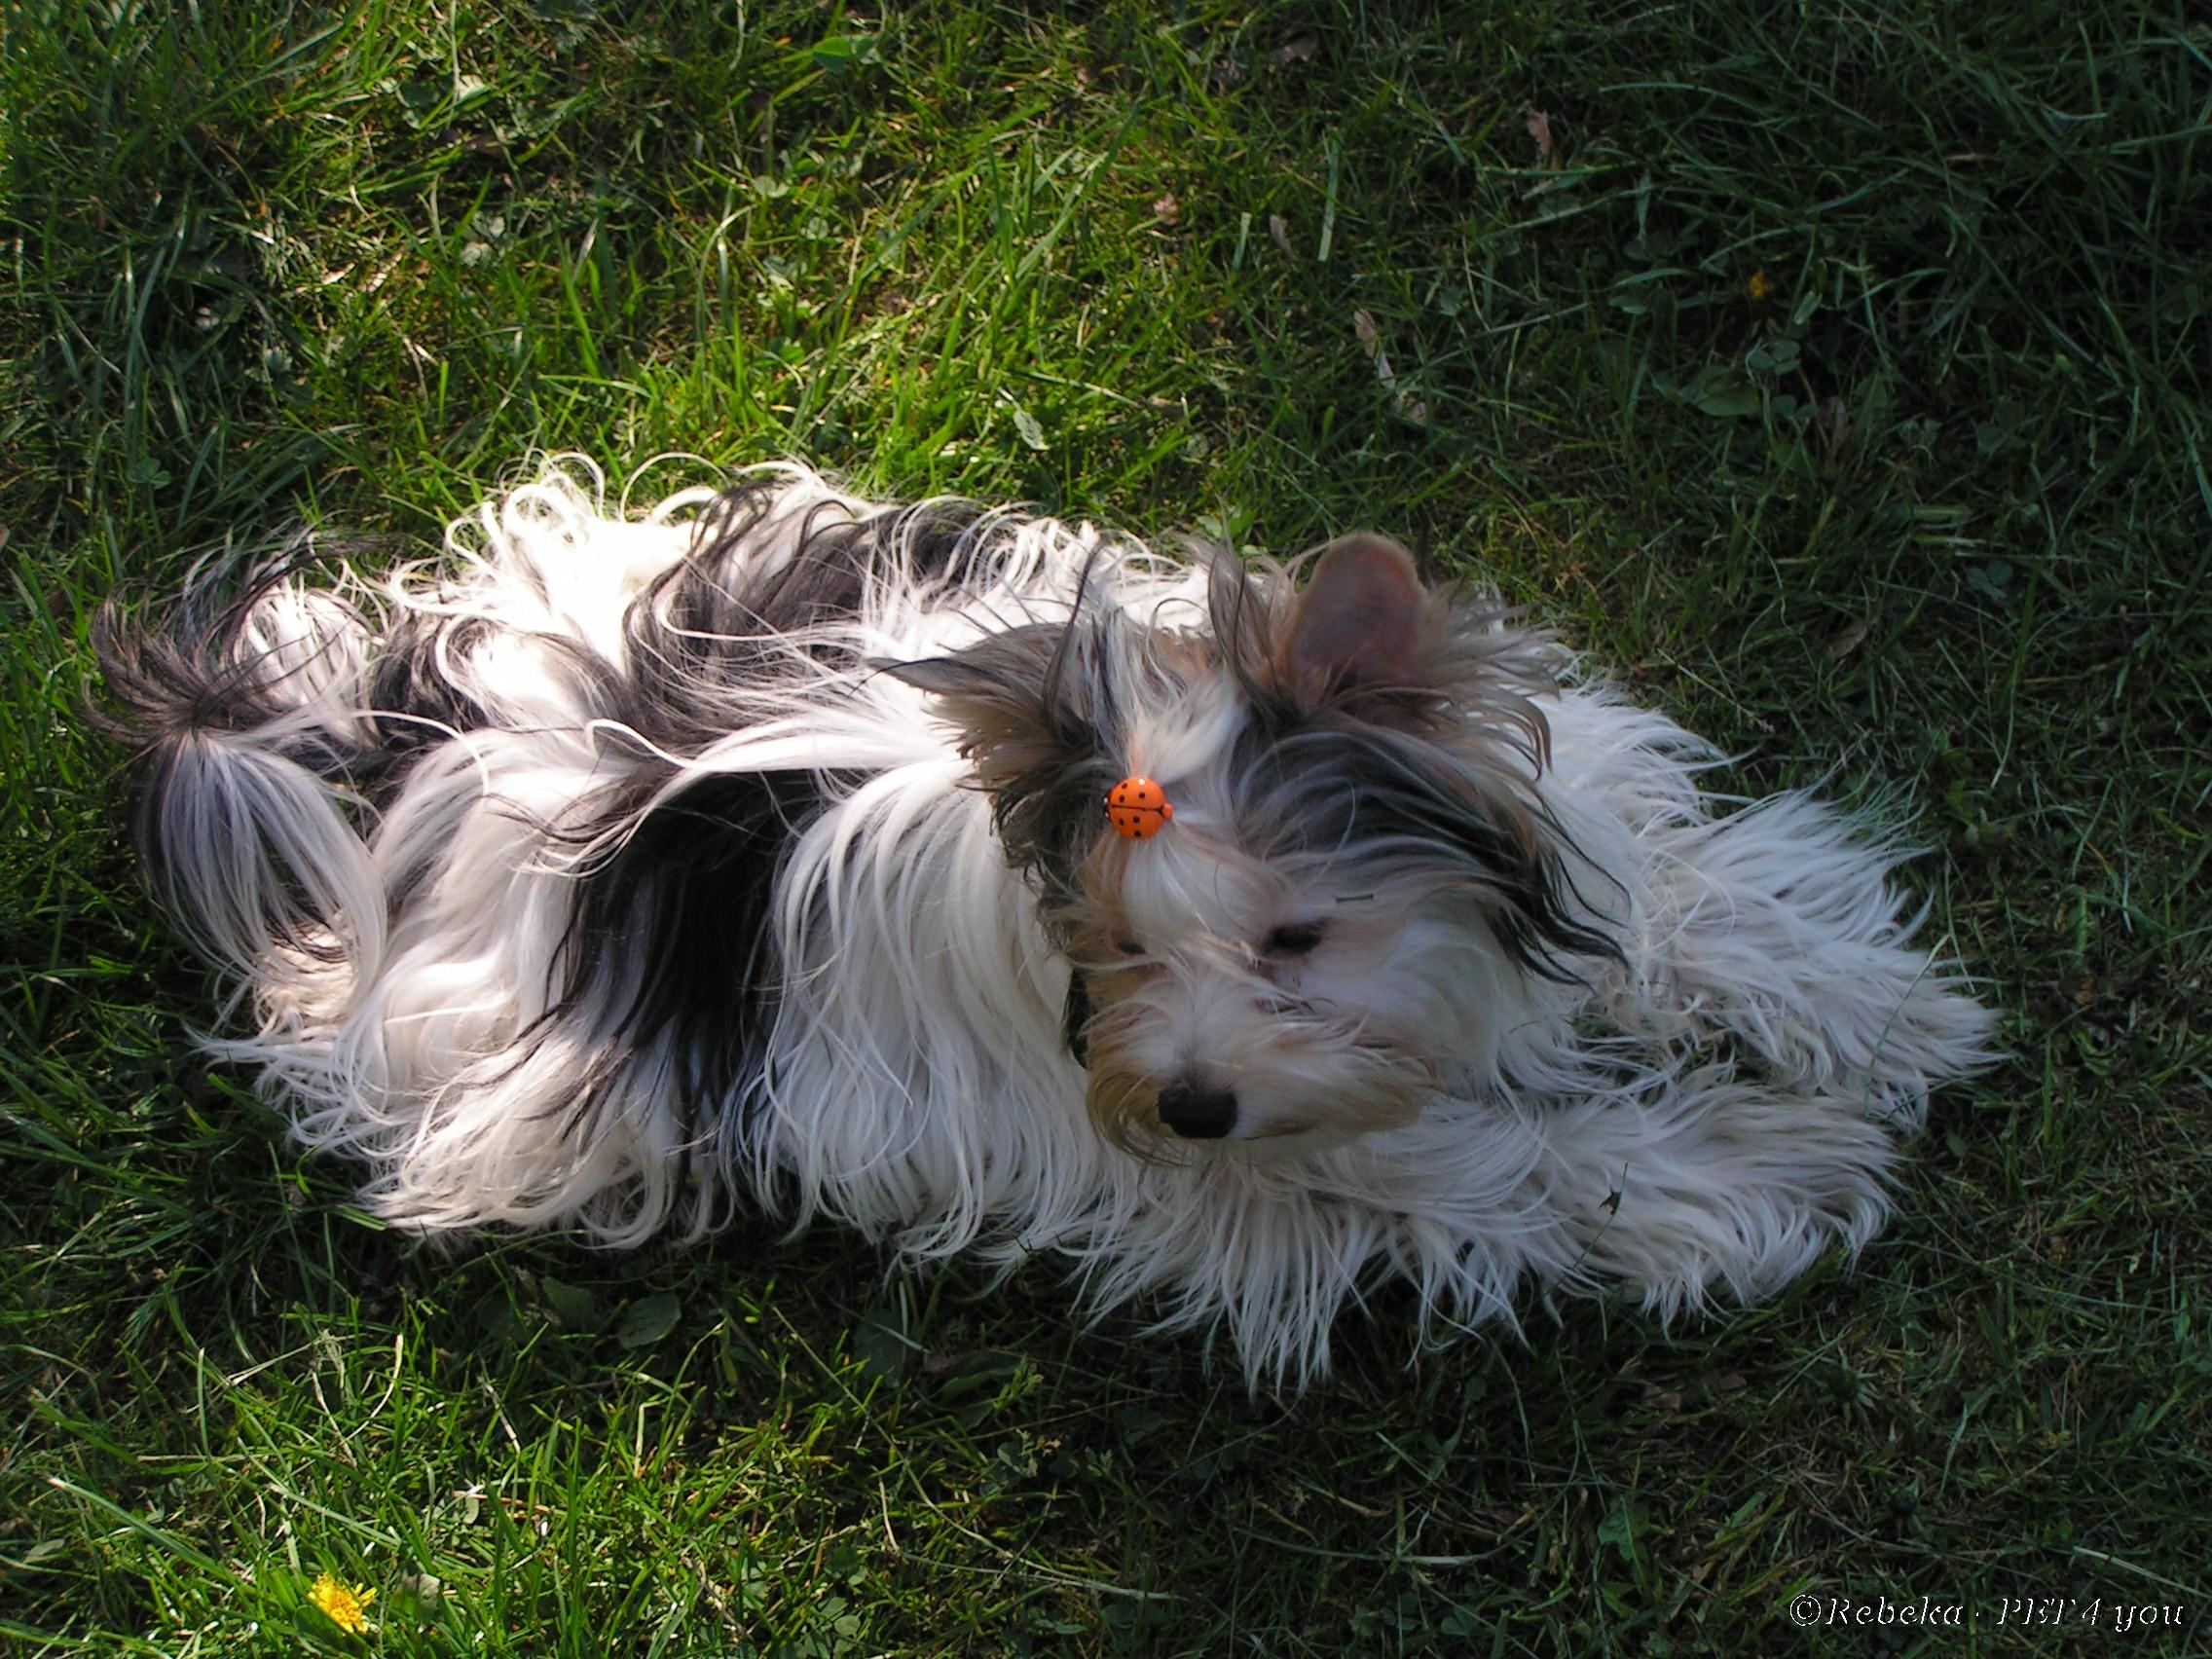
{"points": [[614, 872]]}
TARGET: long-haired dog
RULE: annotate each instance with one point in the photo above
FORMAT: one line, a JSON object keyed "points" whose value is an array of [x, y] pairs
{"points": [[616, 872]]}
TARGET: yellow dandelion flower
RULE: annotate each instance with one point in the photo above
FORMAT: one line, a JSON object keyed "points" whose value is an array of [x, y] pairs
{"points": [[1760, 287], [345, 1607]]}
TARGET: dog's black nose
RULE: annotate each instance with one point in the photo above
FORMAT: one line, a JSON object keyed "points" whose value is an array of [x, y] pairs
{"points": [[1196, 1111]]}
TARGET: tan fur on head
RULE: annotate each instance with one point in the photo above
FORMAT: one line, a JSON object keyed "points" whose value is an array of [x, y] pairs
{"points": [[1362, 738], [1176, 991]]}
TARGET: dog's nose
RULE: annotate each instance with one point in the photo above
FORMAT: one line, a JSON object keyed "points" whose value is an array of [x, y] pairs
{"points": [[1196, 1111]]}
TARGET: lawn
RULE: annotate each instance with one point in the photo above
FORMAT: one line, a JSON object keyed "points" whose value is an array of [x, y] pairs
{"points": [[1837, 372]]}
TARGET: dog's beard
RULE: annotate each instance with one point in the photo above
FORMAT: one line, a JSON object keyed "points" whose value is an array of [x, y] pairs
{"points": [[1294, 1090]]}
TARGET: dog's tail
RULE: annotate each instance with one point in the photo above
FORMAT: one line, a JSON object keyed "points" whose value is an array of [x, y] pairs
{"points": [[246, 707]]}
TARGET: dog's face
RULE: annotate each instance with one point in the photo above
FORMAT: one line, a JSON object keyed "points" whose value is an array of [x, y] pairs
{"points": [[1357, 881]]}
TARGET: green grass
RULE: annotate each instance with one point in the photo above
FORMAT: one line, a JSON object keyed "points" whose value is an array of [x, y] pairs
{"points": [[1840, 374]]}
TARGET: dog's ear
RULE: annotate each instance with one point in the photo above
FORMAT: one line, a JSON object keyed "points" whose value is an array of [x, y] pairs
{"points": [[1035, 709], [1369, 640], [1365, 624], [1016, 699]]}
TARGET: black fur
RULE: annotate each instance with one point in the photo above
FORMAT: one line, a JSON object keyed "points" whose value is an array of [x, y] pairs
{"points": [[1043, 717], [1375, 802], [677, 868], [670, 925], [1075, 1017], [1042, 711], [193, 681], [416, 707]]}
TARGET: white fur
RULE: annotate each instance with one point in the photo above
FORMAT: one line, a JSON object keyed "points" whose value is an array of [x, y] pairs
{"points": [[1575, 1135]]}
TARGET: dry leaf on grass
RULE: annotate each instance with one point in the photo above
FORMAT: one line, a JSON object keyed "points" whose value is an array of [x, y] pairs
{"points": [[1540, 130], [1371, 337]]}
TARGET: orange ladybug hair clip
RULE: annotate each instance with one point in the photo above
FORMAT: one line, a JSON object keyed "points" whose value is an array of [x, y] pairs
{"points": [[1138, 808]]}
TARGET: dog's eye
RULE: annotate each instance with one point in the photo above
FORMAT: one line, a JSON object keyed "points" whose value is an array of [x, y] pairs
{"points": [[1129, 948], [1293, 938]]}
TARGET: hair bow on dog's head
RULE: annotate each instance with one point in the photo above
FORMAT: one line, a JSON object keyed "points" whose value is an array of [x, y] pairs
{"points": [[1138, 808]]}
